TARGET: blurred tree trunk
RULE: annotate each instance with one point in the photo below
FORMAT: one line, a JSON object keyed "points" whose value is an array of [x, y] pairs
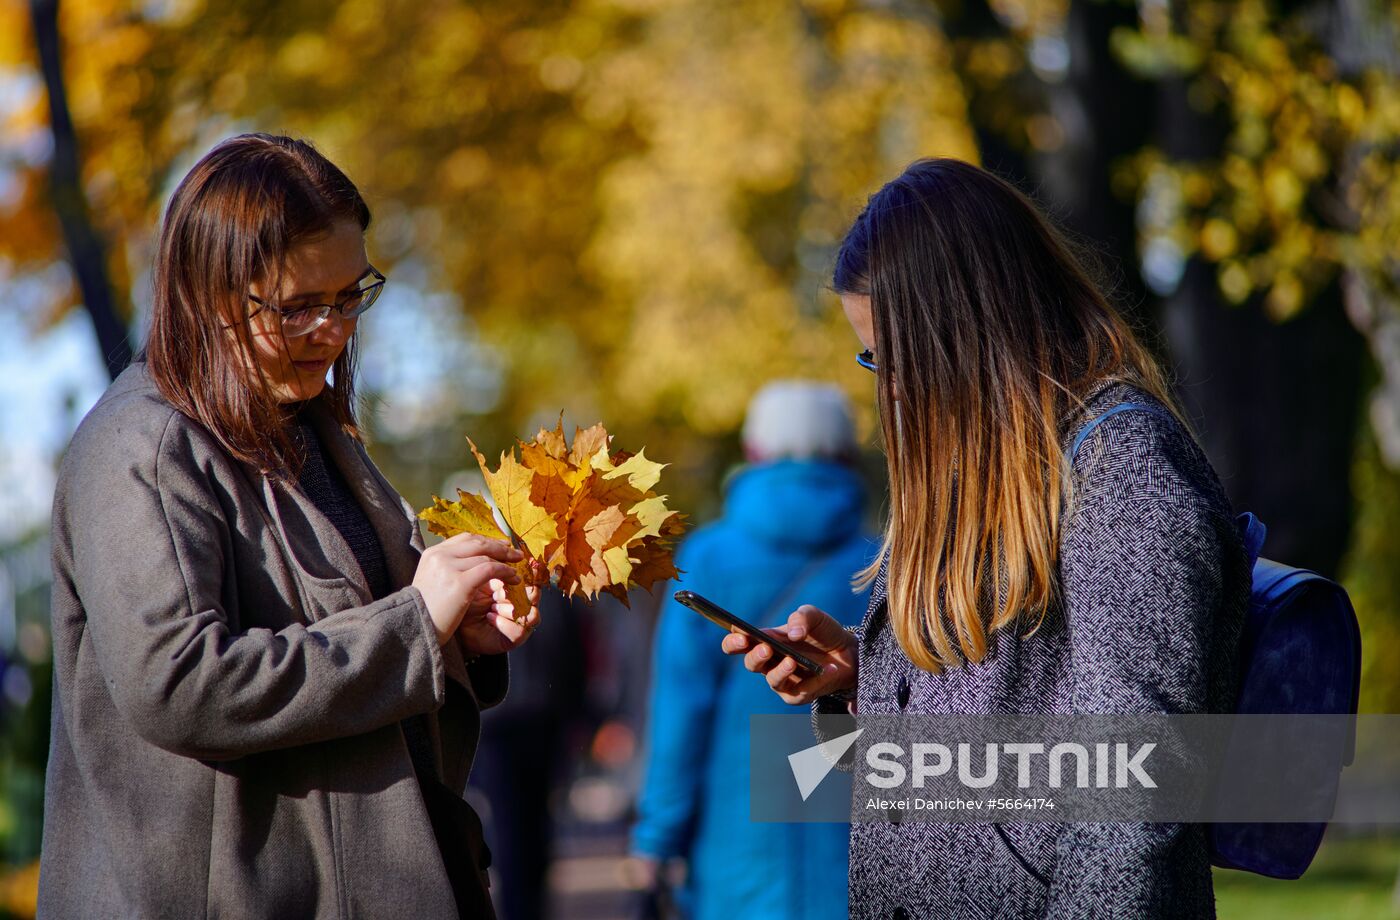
{"points": [[974, 21], [86, 250], [1361, 38], [1277, 404], [1105, 113]]}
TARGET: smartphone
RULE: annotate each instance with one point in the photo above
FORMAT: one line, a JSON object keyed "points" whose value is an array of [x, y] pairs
{"points": [[725, 620]]}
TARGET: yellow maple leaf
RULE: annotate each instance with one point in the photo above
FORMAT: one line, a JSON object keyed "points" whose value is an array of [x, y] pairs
{"points": [[588, 529], [510, 485], [468, 514], [651, 514], [587, 442], [619, 564], [551, 488], [552, 442], [599, 529], [652, 562], [642, 474], [617, 490], [586, 516]]}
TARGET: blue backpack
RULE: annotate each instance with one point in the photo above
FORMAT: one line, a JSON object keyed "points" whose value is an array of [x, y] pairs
{"points": [[1300, 653]]}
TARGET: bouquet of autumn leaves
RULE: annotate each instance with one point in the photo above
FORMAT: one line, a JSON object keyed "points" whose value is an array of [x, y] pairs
{"points": [[588, 518]]}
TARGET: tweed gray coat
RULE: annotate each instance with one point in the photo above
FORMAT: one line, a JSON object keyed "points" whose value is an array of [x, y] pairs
{"points": [[227, 695], [1154, 586]]}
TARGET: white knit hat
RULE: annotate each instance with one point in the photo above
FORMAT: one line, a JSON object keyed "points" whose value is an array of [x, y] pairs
{"points": [[799, 420]]}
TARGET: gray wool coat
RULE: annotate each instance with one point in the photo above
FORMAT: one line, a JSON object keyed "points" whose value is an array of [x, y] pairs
{"points": [[227, 695], [1154, 586]]}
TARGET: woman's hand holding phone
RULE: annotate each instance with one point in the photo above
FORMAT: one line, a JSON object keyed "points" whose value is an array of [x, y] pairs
{"points": [[820, 636]]}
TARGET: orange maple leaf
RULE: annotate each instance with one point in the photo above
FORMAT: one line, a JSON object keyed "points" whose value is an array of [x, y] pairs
{"points": [[589, 518]]}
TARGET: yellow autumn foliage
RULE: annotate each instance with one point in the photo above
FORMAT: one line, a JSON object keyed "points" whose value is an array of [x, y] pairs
{"points": [[585, 515]]}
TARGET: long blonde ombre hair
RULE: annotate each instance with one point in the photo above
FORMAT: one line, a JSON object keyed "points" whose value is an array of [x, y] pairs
{"points": [[990, 332]]}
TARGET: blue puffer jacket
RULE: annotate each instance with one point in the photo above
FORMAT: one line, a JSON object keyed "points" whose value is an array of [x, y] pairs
{"points": [[695, 803]]}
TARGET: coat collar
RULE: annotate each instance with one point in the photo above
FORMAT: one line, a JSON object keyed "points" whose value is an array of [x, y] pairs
{"points": [[329, 577], [317, 549], [394, 522], [878, 605]]}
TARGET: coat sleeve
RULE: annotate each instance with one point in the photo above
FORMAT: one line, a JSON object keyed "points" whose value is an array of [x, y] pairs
{"points": [[687, 669], [150, 548], [1142, 577], [834, 715]]}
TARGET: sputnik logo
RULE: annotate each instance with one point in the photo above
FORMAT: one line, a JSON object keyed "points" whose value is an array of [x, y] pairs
{"points": [[811, 765]]}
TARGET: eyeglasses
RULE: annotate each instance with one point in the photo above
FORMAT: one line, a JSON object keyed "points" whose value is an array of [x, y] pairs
{"points": [[303, 320], [866, 359]]}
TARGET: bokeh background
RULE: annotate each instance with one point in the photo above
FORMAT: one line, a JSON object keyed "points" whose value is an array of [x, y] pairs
{"points": [[627, 210]]}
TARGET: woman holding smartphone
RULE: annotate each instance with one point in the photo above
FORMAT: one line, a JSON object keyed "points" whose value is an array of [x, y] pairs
{"points": [[266, 691], [1018, 576]]}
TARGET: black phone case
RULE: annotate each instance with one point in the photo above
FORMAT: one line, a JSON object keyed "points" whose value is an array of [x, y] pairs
{"points": [[724, 619]]}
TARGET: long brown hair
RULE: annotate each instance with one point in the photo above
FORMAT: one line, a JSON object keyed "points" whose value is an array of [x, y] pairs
{"points": [[232, 221], [991, 331]]}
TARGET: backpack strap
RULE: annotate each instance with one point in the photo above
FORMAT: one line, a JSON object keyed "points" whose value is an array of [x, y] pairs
{"points": [[1252, 530], [1093, 423]]}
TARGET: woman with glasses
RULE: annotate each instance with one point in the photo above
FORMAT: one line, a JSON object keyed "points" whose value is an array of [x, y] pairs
{"points": [[1018, 574], [266, 690]]}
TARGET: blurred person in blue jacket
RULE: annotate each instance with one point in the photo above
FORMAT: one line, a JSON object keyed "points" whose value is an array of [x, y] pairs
{"points": [[791, 528]]}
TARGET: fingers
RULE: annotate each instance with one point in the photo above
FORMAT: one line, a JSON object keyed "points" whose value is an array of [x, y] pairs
{"points": [[738, 643], [763, 656], [470, 544], [489, 573], [501, 604], [515, 631], [760, 658], [817, 628], [778, 675], [505, 613], [807, 623], [781, 672], [500, 594], [772, 664], [801, 621], [791, 684], [756, 654]]}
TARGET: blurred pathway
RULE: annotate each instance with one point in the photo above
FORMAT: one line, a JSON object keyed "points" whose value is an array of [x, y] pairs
{"points": [[585, 880]]}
